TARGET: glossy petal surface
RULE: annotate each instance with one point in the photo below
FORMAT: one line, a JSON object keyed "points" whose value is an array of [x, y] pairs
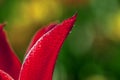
{"points": [[39, 62], [38, 34], [5, 76], [8, 60]]}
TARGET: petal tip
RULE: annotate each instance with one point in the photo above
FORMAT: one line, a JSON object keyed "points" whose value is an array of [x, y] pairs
{"points": [[2, 25], [70, 21], [74, 17]]}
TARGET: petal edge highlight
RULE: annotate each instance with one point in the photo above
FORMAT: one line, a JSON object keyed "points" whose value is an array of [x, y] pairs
{"points": [[40, 61], [5, 76], [40, 33], [8, 60]]}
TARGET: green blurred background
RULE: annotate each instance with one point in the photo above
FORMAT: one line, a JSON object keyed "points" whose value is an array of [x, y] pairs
{"points": [[92, 50]]}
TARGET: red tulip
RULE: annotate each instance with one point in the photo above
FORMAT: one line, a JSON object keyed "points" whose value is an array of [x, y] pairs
{"points": [[41, 55], [8, 60]]}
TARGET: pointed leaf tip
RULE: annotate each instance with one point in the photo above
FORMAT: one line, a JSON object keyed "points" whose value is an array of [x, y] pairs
{"points": [[40, 61]]}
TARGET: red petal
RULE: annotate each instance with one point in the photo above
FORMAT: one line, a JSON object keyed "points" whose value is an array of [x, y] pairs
{"points": [[38, 34], [8, 60], [39, 62], [5, 76]]}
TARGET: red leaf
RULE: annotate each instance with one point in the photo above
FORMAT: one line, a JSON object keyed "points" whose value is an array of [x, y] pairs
{"points": [[8, 60], [5, 76], [39, 62], [40, 33]]}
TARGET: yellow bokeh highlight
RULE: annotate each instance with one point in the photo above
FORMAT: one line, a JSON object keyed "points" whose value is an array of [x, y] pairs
{"points": [[114, 26], [36, 11], [41, 11], [29, 15]]}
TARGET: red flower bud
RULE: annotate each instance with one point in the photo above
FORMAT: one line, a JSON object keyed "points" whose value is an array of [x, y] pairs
{"points": [[40, 61]]}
